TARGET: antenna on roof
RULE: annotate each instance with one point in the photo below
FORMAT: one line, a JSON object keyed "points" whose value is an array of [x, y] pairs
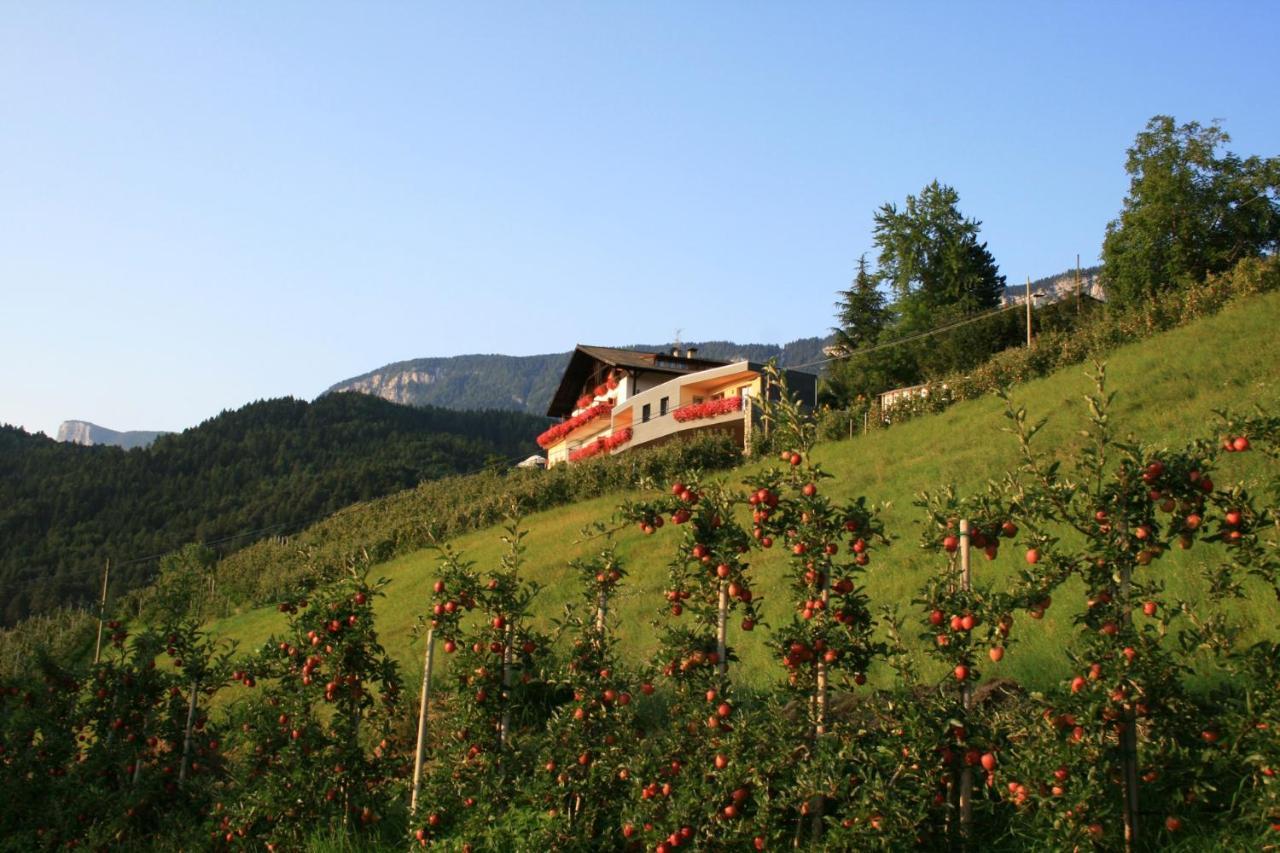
{"points": [[677, 341]]}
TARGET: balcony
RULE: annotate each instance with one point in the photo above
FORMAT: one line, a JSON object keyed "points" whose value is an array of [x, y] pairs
{"points": [[714, 398]]}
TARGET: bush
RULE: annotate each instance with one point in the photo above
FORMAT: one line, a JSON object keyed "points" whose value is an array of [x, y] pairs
{"points": [[835, 424]]}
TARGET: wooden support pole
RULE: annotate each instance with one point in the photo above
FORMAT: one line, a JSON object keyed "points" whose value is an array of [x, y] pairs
{"points": [[1129, 749], [722, 630], [507, 675], [820, 721], [966, 692], [818, 807], [102, 612], [137, 755], [423, 704], [1129, 735], [186, 737]]}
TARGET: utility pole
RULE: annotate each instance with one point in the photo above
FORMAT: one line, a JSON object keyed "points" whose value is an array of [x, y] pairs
{"points": [[1079, 283], [1028, 312], [966, 691], [102, 612]]}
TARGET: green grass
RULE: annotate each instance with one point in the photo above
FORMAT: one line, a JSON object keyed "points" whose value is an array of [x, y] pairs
{"points": [[1167, 389]]}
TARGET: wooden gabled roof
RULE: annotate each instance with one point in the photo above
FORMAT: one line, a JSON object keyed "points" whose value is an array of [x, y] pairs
{"points": [[586, 359]]}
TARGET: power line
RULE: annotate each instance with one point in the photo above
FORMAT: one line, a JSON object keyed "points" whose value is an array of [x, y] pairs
{"points": [[909, 339]]}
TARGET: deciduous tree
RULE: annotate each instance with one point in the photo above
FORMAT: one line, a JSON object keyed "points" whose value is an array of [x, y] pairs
{"points": [[1191, 210], [931, 257]]}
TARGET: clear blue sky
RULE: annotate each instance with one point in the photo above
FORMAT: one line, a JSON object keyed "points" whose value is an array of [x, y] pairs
{"points": [[206, 204]]}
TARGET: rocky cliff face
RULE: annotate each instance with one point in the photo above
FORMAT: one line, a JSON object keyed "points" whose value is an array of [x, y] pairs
{"points": [[405, 387], [83, 432], [1058, 287], [519, 383]]}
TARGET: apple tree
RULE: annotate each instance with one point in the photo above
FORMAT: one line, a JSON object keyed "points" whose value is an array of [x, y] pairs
{"points": [[317, 750]]}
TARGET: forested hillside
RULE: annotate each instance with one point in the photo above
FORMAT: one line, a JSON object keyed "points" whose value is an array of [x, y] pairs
{"points": [[262, 469]]}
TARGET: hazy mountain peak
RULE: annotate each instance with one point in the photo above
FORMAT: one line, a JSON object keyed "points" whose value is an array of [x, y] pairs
{"points": [[83, 432]]}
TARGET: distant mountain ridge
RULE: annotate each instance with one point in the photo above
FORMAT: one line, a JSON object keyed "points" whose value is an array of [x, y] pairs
{"points": [[526, 383], [89, 434]]}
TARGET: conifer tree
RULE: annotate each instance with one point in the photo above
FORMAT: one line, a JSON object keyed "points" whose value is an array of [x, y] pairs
{"points": [[862, 312]]}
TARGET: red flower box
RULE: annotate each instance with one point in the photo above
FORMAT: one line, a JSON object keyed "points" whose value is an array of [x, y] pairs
{"points": [[618, 439], [709, 409], [600, 445], [562, 429]]}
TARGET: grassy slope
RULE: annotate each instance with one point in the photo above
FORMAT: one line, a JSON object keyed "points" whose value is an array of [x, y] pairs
{"points": [[1167, 388]]}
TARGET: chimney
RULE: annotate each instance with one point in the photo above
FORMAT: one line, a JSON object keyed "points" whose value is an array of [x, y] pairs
{"points": [[691, 352], [675, 352]]}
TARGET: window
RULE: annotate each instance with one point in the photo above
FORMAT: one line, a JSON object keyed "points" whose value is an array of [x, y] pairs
{"points": [[644, 413], [662, 406], [697, 400]]}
